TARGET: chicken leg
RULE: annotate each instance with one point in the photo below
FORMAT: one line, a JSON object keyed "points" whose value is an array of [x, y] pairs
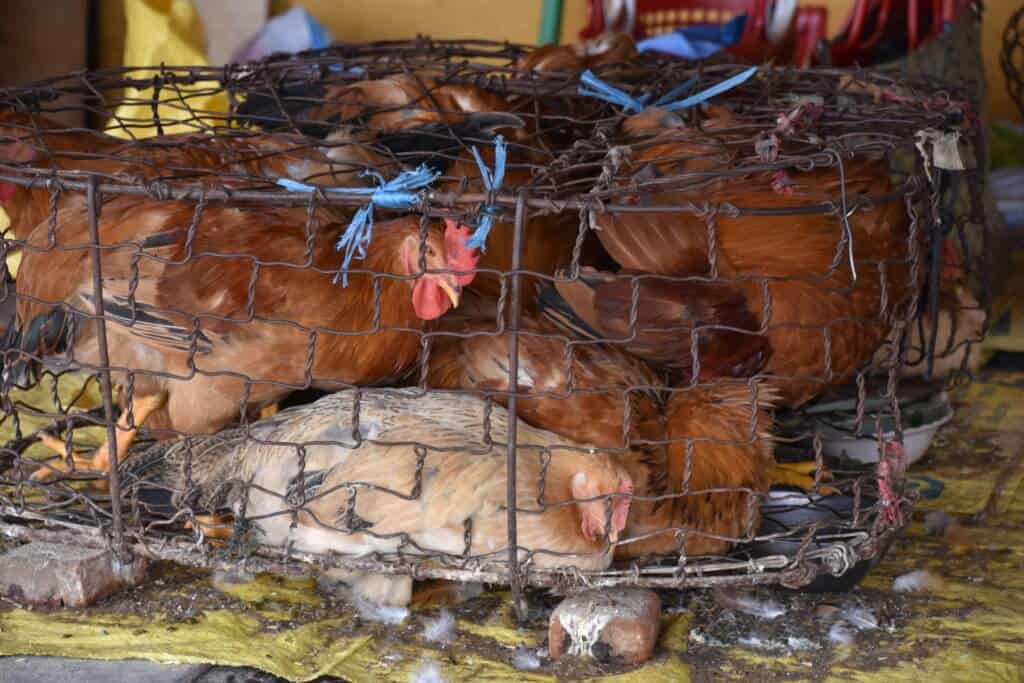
{"points": [[801, 475], [100, 460], [214, 527]]}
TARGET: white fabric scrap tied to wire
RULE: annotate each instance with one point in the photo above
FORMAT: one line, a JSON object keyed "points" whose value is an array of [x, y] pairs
{"points": [[944, 150]]}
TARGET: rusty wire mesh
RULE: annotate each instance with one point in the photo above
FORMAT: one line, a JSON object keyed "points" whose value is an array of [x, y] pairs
{"points": [[1011, 57], [245, 270]]}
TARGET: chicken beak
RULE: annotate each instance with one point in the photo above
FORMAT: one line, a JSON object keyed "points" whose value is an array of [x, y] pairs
{"points": [[453, 291]]}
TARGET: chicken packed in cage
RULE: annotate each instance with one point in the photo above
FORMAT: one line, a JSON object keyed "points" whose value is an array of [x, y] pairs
{"points": [[648, 273]]}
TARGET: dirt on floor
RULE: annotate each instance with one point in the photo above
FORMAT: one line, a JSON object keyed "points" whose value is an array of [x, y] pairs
{"points": [[968, 626]]}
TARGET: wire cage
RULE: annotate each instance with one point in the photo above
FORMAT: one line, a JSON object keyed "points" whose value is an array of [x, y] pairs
{"points": [[657, 290], [1011, 57]]}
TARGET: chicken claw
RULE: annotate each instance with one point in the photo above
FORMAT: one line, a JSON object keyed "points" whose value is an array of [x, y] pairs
{"points": [[214, 527], [269, 411], [801, 475], [99, 461]]}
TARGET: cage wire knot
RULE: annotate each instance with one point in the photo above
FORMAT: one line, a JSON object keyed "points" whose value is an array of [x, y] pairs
{"points": [[401, 192]]}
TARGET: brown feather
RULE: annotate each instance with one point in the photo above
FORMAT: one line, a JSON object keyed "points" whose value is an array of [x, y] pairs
{"points": [[822, 326], [668, 313], [199, 294], [592, 400]]}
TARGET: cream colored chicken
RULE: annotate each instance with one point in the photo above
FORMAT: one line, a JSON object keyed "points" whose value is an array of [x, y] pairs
{"points": [[460, 486]]}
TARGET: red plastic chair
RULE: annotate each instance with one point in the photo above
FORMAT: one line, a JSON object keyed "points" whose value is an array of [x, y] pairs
{"points": [[873, 20], [654, 17], [811, 29]]}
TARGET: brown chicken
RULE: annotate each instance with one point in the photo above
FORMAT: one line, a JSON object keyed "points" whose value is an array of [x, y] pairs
{"points": [[383, 105], [399, 102], [242, 311], [603, 397], [452, 502], [236, 161], [793, 269], [673, 318], [606, 49]]}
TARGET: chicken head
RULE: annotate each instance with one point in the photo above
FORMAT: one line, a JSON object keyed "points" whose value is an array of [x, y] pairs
{"points": [[434, 293], [594, 513]]}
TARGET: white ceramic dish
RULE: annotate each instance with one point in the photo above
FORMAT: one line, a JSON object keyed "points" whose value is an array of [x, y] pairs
{"points": [[927, 416]]}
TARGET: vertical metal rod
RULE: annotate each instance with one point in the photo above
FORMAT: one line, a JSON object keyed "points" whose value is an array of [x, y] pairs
{"points": [[515, 581], [937, 233], [95, 202]]}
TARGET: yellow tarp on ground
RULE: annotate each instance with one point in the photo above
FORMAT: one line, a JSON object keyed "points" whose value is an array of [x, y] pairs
{"points": [[972, 631]]}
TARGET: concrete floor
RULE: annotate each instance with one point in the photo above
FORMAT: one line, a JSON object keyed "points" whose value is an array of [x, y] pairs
{"points": [[60, 669]]}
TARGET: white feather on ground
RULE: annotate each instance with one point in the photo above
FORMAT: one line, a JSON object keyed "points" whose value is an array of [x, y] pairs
{"points": [[841, 633], [428, 672], [379, 613], [525, 659], [748, 604], [860, 618], [918, 580], [440, 630]]}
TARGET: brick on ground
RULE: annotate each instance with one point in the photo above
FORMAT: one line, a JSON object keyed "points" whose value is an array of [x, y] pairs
{"points": [[55, 575], [623, 622]]}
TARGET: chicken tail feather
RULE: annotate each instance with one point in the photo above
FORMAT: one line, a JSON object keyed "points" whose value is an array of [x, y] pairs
{"points": [[559, 312], [272, 111], [47, 334]]}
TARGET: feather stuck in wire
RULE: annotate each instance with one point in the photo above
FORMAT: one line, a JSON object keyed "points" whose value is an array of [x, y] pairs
{"points": [[492, 183], [401, 192]]}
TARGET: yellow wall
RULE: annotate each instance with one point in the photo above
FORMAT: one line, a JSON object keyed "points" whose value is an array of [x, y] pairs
{"points": [[519, 21]]}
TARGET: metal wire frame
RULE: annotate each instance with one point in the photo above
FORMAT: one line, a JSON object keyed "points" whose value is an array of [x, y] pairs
{"points": [[1011, 57], [577, 179]]}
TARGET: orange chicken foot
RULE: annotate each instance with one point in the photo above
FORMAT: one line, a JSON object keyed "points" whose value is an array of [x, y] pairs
{"points": [[801, 475], [214, 527], [99, 460]]}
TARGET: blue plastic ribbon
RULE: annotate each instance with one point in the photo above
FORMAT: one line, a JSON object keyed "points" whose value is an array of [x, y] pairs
{"points": [[401, 192], [696, 41], [708, 93], [592, 86], [601, 90], [675, 92], [492, 183]]}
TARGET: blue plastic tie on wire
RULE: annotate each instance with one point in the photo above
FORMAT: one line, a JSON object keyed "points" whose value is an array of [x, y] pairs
{"points": [[592, 86], [601, 90], [708, 93], [675, 92], [401, 192], [492, 183]]}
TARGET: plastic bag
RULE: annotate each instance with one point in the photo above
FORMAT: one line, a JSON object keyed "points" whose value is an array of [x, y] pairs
{"points": [[697, 41], [164, 32], [294, 31]]}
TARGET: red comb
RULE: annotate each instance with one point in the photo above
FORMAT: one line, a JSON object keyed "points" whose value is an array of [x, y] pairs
{"points": [[460, 257]]}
